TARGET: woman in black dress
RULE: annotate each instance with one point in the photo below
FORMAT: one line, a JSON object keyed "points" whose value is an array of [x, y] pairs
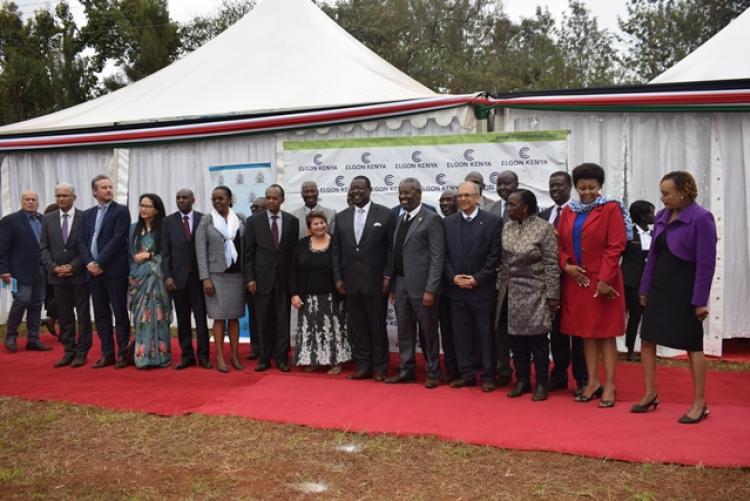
{"points": [[675, 288], [321, 322]]}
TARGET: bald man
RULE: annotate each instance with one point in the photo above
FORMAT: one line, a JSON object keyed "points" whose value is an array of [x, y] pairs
{"points": [[20, 235]]}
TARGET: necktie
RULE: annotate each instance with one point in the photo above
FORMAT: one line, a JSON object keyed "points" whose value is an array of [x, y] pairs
{"points": [[556, 219], [406, 217], [36, 227], [97, 227], [186, 227], [65, 229], [275, 232], [359, 224]]}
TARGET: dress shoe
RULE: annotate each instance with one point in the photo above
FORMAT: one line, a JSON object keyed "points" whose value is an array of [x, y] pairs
{"points": [[541, 393], [221, 366], [205, 363], [282, 366], [360, 375], [66, 360], [121, 363], [432, 383], [37, 346], [504, 380], [450, 376], [235, 361], [185, 363], [519, 389], [79, 361], [558, 385], [103, 362], [379, 376], [335, 370], [488, 387], [401, 377], [462, 383], [583, 398], [252, 356], [10, 344], [642, 409], [685, 419], [262, 366]]}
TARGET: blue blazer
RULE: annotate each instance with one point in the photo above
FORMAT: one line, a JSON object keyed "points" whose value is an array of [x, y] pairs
{"points": [[480, 260], [112, 240], [19, 249]]}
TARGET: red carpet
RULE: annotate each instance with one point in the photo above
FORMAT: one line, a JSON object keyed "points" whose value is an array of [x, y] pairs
{"points": [[465, 415]]}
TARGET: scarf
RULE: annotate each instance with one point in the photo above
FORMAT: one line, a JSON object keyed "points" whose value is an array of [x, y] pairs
{"points": [[228, 228], [577, 206]]}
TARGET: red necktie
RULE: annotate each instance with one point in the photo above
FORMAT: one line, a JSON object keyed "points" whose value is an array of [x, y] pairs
{"points": [[556, 220], [186, 227], [275, 232]]}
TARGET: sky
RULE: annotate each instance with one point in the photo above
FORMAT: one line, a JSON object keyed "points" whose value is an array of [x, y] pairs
{"points": [[606, 11]]}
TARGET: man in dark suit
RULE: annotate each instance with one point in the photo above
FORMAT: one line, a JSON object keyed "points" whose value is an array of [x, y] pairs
{"points": [[507, 183], [472, 257], [448, 206], [418, 257], [67, 275], [181, 280], [103, 244], [563, 347], [362, 255], [270, 238], [20, 234]]}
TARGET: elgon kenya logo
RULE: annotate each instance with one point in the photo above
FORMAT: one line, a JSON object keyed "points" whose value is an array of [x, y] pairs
{"points": [[469, 160], [317, 165]]}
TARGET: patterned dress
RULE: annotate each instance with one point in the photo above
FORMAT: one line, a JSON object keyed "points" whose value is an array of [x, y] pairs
{"points": [[151, 309]]}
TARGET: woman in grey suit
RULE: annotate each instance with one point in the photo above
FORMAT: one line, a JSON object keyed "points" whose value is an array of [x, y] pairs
{"points": [[529, 280], [218, 249]]}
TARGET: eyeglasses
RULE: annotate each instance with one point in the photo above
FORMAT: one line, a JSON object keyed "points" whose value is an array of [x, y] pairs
{"points": [[62, 195], [143, 206]]}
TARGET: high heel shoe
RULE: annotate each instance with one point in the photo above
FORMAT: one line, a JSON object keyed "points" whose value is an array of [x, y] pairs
{"points": [[685, 419], [221, 366], [606, 404], [643, 408], [583, 398], [235, 361]]}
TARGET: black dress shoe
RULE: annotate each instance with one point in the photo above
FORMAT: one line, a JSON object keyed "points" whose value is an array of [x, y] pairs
{"points": [[10, 344], [642, 409], [103, 362], [121, 363], [558, 385], [541, 393], [488, 387], [401, 377], [37, 346], [360, 375], [519, 389], [184, 364], [282, 366], [79, 361], [205, 363], [66, 360], [462, 383], [379, 376], [432, 383], [504, 380], [252, 356], [262, 366]]}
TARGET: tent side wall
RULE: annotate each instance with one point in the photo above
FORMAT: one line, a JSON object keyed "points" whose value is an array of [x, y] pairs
{"points": [[637, 149]]}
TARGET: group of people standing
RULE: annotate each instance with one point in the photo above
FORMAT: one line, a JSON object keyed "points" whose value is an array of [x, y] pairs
{"points": [[484, 281]]}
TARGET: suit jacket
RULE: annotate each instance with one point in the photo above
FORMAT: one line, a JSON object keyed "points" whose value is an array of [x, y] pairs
{"points": [[480, 260], [209, 247], [423, 253], [178, 252], [363, 266], [496, 208], [112, 240], [19, 249], [633, 261], [264, 264], [55, 253], [300, 215]]}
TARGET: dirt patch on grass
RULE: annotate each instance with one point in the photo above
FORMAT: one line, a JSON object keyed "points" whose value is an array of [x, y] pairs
{"points": [[62, 451]]}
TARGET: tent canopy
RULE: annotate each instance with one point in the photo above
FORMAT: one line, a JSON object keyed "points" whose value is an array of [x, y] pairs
{"points": [[314, 64]]}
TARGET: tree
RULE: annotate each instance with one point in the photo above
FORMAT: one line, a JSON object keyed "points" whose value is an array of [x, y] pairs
{"points": [[138, 35], [662, 32], [200, 30]]}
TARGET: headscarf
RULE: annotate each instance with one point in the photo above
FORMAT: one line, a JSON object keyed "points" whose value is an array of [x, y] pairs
{"points": [[228, 228], [577, 206]]}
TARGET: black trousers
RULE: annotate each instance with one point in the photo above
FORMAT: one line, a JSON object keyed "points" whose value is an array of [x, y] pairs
{"points": [[271, 313], [446, 339], [109, 296], [367, 324], [189, 300], [564, 349], [472, 316], [635, 312], [526, 347], [500, 327], [72, 300]]}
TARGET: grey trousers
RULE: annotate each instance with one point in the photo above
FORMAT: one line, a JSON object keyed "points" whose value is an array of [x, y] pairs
{"points": [[409, 313]]}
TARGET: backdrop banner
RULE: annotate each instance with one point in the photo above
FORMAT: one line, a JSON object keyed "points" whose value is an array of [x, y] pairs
{"points": [[438, 162]]}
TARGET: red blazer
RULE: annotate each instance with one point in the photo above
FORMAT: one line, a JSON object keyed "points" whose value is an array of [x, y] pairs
{"points": [[603, 240]]}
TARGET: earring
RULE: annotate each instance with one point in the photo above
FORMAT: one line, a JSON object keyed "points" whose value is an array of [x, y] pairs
{"points": [[682, 197]]}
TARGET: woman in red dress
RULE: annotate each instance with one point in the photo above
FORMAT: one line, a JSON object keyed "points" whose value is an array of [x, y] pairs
{"points": [[592, 237]]}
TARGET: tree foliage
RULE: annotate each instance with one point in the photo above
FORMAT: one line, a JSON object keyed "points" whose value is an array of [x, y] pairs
{"points": [[201, 29]]}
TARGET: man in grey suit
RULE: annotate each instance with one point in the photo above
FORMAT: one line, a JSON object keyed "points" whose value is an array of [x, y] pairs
{"points": [[67, 275], [478, 179], [418, 257], [362, 250], [310, 196], [507, 183]]}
